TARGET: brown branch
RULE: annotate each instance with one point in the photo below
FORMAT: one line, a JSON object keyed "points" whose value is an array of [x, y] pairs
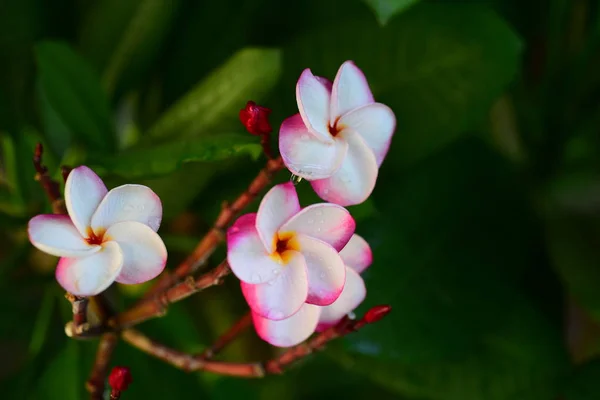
{"points": [[189, 362], [209, 243], [157, 306], [51, 187], [106, 348], [79, 306], [227, 337]]}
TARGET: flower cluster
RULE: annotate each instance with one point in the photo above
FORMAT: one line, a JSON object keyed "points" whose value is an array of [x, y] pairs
{"points": [[299, 267]]}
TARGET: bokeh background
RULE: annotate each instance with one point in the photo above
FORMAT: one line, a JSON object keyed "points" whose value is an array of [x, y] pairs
{"points": [[485, 222]]}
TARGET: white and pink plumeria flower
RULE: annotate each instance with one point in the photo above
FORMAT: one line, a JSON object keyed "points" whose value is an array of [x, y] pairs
{"points": [[340, 137], [286, 256], [357, 256], [106, 236]]}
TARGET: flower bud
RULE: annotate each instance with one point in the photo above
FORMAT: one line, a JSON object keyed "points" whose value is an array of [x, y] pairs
{"points": [[256, 119], [120, 378], [376, 313]]}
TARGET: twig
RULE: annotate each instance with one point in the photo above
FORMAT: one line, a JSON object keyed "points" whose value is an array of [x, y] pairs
{"points": [[227, 337], [51, 187], [95, 383], [209, 243], [157, 306], [79, 306], [189, 362]]}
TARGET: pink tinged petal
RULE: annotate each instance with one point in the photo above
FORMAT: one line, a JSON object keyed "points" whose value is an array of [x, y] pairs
{"points": [[326, 271], [282, 296], [354, 182], [350, 90], [56, 235], [84, 190], [90, 275], [288, 332], [144, 253], [246, 253], [307, 156], [353, 294], [325, 82], [128, 203], [375, 123], [279, 204], [330, 223], [357, 254], [313, 103]]}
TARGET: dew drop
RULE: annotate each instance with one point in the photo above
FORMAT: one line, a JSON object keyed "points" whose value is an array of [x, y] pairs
{"points": [[322, 275], [311, 221], [351, 315], [275, 271], [319, 212], [295, 179], [322, 221], [256, 278], [304, 137], [276, 314], [325, 191], [318, 229]]}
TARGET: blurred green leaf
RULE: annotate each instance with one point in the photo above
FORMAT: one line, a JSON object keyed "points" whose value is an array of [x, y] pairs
{"points": [[64, 375], [57, 133], [138, 29], [583, 384], [215, 102], [73, 91], [163, 159], [386, 9], [439, 66]]}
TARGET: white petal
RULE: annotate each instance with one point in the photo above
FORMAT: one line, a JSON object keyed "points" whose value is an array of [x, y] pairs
{"points": [[90, 275], [128, 203], [375, 123], [84, 190], [288, 332], [246, 253], [144, 253], [350, 90], [279, 204], [354, 182], [282, 296], [353, 294], [330, 223], [325, 268], [357, 254], [56, 235], [313, 103], [307, 156]]}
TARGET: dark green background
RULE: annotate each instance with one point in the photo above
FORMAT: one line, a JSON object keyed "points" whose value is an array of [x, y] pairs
{"points": [[485, 222]]}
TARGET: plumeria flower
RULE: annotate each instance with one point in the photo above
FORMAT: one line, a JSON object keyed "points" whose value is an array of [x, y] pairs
{"points": [[357, 257], [106, 236], [285, 256], [340, 137]]}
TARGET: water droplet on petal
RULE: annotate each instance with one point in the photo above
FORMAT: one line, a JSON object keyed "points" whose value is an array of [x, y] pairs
{"points": [[319, 212], [256, 278], [295, 179], [310, 221], [318, 229], [275, 271], [325, 191], [322, 221], [304, 137], [351, 315], [322, 275], [276, 314]]}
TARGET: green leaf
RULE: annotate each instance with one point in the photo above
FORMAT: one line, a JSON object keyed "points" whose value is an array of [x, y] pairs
{"points": [[64, 375], [450, 259], [73, 91], [163, 159], [386, 9], [439, 66], [215, 102], [137, 33], [583, 384]]}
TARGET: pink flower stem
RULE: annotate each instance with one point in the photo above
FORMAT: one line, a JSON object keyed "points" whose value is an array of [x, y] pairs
{"points": [[190, 362], [51, 187], [240, 326], [209, 243]]}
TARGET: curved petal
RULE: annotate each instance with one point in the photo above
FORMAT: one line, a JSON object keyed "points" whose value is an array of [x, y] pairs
{"points": [[144, 253], [84, 190], [330, 223], [357, 254], [88, 276], [128, 203], [283, 295], [279, 204], [313, 103], [56, 235], [355, 180], [325, 82], [326, 271], [375, 123], [288, 332], [307, 156], [246, 253], [350, 90], [353, 294]]}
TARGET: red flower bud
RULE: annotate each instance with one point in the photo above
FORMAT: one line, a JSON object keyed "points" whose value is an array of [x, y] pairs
{"points": [[256, 119], [376, 313], [120, 378]]}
